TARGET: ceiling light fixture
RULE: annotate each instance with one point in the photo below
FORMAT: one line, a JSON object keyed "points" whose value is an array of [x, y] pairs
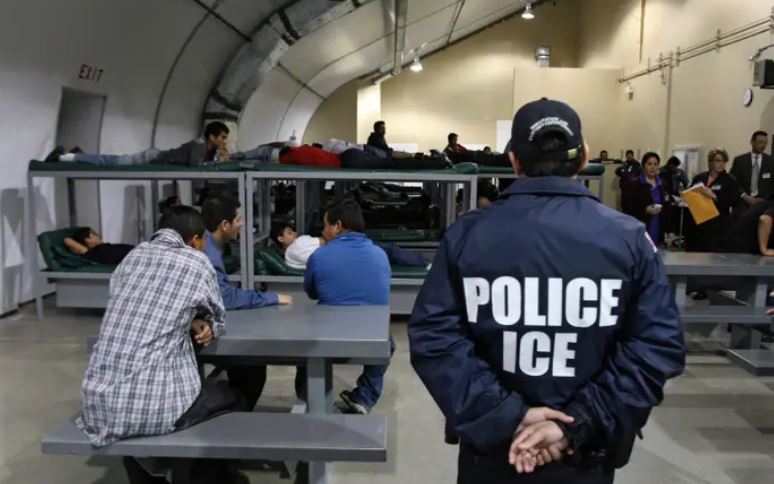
{"points": [[527, 13], [416, 66]]}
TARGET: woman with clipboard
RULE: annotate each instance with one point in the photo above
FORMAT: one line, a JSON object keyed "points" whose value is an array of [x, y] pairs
{"points": [[705, 229]]}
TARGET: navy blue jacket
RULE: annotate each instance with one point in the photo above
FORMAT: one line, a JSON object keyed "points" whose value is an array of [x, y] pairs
{"points": [[545, 298]]}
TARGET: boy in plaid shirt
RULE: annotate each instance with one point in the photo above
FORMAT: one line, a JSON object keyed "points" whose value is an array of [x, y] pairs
{"points": [[143, 378]]}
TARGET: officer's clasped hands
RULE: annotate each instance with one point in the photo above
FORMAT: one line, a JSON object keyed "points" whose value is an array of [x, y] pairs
{"points": [[538, 440]]}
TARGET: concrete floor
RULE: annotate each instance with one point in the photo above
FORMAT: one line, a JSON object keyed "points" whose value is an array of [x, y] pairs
{"points": [[716, 425]]}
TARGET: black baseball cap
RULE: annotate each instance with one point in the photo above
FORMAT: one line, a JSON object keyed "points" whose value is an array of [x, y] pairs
{"points": [[537, 118]]}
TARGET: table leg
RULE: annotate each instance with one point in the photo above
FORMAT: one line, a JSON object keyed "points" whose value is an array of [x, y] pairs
{"points": [[743, 337], [319, 382], [680, 287]]}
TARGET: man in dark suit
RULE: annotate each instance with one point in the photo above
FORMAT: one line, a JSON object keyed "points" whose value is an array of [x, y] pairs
{"points": [[755, 171]]}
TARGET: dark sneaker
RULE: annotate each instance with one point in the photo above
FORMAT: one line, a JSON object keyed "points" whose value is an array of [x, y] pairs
{"points": [[352, 404], [76, 149], [55, 154]]}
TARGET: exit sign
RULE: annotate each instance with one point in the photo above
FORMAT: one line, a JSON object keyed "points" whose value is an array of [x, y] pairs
{"points": [[90, 73]]}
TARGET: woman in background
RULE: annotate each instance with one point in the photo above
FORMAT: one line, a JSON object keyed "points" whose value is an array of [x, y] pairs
{"points": [[725, 191], [645, 198]]}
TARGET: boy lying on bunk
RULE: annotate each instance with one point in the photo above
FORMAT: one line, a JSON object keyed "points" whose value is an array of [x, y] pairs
{"points": [[142, 378], [299, 248], [87, 243], [211, 147]]}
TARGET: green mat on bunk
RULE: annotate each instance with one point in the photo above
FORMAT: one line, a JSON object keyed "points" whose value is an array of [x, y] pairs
{"points": [[56, 254], [81, 166], [462, 168], [269, 262], [590, 170], [95, 269], [403, 235]]}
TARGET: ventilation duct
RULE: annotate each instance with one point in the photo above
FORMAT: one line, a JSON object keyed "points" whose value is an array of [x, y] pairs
{"points": [[270, 41]]}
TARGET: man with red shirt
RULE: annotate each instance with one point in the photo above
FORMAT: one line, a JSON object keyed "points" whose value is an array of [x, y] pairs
{"points": [[453, 146], [354, 158]]}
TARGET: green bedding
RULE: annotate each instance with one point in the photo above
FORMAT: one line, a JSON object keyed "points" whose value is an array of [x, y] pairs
{"points": [[403, 235], [56, 255], [80, 166], [271, 263], [590, 170], [462, 168], [92, 269]]}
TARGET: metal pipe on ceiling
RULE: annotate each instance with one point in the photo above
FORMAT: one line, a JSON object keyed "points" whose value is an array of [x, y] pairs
{"points": [[401, 15], [455, 17]]}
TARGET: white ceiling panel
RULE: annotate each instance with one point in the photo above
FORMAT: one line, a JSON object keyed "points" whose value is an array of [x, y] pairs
{"points": [[264, 112], [429, 29], [298, 115], [350, 67], [467, 28], [419, 9], [475, 10], [347, 34]]}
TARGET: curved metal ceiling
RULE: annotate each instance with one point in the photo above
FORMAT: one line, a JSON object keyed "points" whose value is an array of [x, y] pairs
{"points": [[320, 45]]}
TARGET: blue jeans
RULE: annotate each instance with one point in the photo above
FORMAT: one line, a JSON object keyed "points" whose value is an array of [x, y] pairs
{"points": [[402, 257], [141, 158], [371, 382]]}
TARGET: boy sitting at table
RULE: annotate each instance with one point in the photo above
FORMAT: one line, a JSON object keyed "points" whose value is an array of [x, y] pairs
{"points": [[350, 270], [142, 378]]}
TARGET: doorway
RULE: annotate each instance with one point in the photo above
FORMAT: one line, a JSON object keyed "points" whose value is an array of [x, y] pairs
{"points": [[80, 125]]}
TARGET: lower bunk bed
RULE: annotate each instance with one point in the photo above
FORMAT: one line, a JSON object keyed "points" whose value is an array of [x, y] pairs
{"points": [[81, 283], [271, 273]]}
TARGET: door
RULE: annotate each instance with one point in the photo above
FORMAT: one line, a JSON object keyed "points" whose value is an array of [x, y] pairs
{"points": [[80, 125]]}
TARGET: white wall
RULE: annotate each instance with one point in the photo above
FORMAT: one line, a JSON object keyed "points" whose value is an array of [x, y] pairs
{"points": [[42, 45]]}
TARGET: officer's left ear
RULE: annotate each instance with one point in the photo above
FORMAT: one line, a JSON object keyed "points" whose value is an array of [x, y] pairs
{"points": [[515, 163]]}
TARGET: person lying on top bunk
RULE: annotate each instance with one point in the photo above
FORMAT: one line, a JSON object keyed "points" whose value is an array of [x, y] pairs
{"points": [[271, 152], [483, 157], [87, 243], [307, 155], [208, 148], [298, 249]]}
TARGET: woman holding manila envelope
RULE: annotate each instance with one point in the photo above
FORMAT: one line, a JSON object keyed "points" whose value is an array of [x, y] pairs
{"points": [[712, 195]]}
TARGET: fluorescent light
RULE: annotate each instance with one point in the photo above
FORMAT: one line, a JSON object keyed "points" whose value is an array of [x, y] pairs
{"points": [[416, 66], [527, 14]]}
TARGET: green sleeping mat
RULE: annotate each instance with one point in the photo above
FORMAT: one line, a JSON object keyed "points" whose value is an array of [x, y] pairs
{"points": [[403, 235], [271, 263], [590, 170], [95, 269], [462, 168], [40, 166], [56, 254]]}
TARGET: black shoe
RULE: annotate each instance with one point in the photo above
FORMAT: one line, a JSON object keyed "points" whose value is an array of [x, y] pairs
{"points": [[76, 150], [55, 154], [352, 404]]}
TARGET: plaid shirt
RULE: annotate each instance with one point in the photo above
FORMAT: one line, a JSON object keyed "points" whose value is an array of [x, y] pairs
{"points": [[142, 375]]}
